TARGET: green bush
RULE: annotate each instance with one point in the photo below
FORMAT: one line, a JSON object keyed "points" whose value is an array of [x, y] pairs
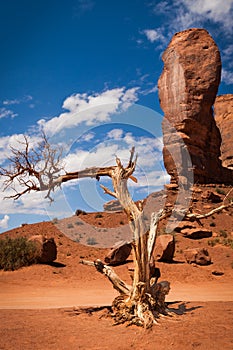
{"points": [[16, 253]]}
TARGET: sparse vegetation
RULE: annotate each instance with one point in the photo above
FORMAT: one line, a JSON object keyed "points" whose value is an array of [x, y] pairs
{"points": [[98, 216], [121, 222], [70, 226], [79, 223], [213, 242], [55, 221], [220, 191], [223, 233], [16, 253], [79, 212], [91, 241], [212, 224]]}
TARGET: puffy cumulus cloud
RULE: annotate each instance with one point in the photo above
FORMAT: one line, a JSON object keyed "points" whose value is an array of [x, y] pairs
{"points": [[153, 35], [90, 109], [4, 221]]}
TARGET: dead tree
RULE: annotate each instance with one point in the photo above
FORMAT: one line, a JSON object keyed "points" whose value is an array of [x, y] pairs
{"points": [[40, 170]]}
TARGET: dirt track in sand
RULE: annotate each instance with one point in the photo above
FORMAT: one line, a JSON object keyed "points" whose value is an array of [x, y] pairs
{"points": [[20, 297]]}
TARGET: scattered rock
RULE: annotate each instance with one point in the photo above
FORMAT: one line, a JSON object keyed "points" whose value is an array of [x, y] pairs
{"points": [[217, 273], [172, 186], [164, 248], [185, 225], [211, 196], [199, 256], [47, 249], [119, 253], [196, 233], [196, 190], [187, 89]]}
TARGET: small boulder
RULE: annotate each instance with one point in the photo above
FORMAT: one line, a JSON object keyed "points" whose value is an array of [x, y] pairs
{"points": [[199, 256], [185, 225], [164, 248], [46, 248], [196, 233], [119, 253]]}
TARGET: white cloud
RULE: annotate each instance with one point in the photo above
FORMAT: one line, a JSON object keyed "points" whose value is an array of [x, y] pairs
{"points": [[26, 98], [7, 113], [11, 102], [4, 221], [153, 35], [184, 14], [15, 141], [90, 109], [227, 77], [115, 134], [215, 10]]}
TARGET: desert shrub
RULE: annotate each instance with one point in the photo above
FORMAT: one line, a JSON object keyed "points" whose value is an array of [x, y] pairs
{"points": [[121, 222], [91, 241], [213, 242], [16, 253], [228, 242], [70, 226], [212, 224], [79, 223], [220, 191], [79, 212], [98, 216], [55, 221], [223, 233]]}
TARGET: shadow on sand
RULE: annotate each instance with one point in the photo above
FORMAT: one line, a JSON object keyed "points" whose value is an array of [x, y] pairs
{"points": [[181, 308]]}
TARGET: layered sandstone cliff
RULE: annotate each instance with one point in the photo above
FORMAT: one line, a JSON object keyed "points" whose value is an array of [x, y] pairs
{"points": [[187, 89], [223, 110]]}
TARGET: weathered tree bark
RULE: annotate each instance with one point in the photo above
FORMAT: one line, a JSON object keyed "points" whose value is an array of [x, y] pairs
{"points": [[142, 303]]}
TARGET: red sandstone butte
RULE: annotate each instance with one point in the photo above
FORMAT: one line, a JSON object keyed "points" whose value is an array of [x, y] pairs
{"points": [[187, 89]]}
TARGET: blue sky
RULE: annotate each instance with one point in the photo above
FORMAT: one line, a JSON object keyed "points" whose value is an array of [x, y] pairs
{"points": [[60, 59]]}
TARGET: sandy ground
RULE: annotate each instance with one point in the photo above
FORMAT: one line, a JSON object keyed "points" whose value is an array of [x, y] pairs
{"points": [[50, 307]]}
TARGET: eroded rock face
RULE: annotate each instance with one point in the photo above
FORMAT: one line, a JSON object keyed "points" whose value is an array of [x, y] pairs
{"points": [[187, 89], [223, 110]]}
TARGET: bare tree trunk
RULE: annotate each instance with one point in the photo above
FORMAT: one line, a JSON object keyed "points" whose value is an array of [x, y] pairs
{"points": [[40, 170]]}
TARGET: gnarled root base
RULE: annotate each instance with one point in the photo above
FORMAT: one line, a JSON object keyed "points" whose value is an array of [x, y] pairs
{"points": [[143, 308]]}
